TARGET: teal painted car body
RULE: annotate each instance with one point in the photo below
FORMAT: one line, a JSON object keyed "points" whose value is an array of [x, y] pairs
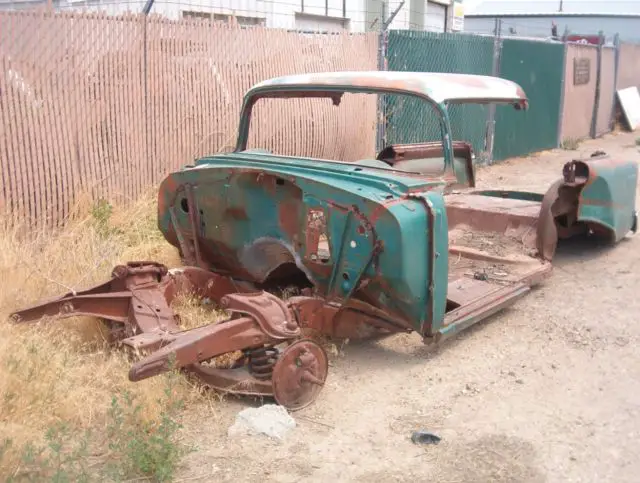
{"points": [[604, 189], [374, 247], [359, 230], [514, 195], [608, 196], [384, 226]]}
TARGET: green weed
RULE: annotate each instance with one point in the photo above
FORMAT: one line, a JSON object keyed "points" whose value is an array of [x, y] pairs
{"points": [[136, 448], [61, 459], [570, 144], [145, 449]]}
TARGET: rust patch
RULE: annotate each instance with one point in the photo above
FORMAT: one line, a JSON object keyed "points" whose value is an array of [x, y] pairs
{"points": [[383, 207], [236, 213], [317, 238], [288, 217]]}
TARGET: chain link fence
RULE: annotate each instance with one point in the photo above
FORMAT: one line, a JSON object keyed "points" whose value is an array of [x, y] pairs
{"points": [[413, 120], [106, 106], [559, 107], [538, 67]]}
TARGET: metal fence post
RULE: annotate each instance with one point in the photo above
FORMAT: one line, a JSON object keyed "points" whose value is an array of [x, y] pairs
{"points": [[565, 47], [382, 43], [596, 103], [495, 71], [382, 65], [616, 64]]}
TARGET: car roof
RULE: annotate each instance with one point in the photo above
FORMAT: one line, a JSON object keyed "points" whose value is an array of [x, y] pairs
{"points": [[436, 86]]}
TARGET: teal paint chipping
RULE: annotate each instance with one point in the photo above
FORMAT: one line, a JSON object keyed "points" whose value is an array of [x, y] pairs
{"points": [[369, 247], [249, 200]]}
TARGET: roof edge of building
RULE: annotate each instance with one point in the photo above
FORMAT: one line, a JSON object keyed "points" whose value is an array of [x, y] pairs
{"points": [[556, 14]]}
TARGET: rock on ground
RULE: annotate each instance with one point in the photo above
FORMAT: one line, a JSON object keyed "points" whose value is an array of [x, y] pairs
{"points": [[271, 420]]}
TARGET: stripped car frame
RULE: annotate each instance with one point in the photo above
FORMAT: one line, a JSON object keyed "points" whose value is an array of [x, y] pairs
{"points": [[376, 246]]}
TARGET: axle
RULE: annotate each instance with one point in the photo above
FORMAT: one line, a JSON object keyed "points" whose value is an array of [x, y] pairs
{"points": [[276, 361]]}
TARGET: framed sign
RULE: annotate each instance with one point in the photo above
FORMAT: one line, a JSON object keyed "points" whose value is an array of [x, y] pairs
{"points": [[581, 71], [457, 24]]}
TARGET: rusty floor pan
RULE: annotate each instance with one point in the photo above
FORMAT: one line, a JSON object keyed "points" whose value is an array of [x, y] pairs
{"points": [[492, 259]]}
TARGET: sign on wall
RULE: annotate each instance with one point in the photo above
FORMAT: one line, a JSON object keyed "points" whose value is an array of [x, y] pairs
{"points": [[457, 23], [581, 71]]}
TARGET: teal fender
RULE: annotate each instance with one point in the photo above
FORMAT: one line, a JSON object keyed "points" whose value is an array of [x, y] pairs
{"points": [[439, 276], [378, 236], [608, 195]]}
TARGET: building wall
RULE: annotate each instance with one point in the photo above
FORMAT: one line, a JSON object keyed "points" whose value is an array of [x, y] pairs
{"points": [[424, 17], [311, 15], [604, 118], [578, 99], [629, 66], [316, 15], [628, 28], [290, 14]]}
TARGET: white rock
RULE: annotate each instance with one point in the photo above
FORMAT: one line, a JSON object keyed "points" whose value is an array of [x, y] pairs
{"points": [[271, 420]]}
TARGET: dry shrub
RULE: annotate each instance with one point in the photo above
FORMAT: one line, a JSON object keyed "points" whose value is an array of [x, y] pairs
{"points": [[196, 313], [63, 370]]}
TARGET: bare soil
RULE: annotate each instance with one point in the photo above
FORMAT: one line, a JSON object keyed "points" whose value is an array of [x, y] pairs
{"points": [[548, 390]]}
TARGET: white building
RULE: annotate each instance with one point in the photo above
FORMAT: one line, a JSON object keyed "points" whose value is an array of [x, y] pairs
{"points": [[312, 15], [535, 18]]}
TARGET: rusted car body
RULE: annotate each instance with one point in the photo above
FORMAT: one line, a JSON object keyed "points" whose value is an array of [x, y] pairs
{"points": [[400, 243]]}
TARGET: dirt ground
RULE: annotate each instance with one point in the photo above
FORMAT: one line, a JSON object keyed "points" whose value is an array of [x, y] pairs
{"points": [[548, 390]]}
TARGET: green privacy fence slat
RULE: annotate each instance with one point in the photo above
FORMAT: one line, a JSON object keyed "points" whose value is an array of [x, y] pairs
{"points": [[411, 120], [538, 67]]}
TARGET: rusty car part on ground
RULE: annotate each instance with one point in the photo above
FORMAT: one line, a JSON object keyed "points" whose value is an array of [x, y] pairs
{"points": [[399, 243]]}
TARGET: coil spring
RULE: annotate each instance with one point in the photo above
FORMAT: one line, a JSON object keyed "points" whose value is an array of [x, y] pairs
{"points": [[261, 362]]}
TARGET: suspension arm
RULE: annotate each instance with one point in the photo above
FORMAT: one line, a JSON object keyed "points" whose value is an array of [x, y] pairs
{"points": [[200, 344]]}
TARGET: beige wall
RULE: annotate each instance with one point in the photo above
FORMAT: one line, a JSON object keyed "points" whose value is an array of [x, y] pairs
{"points": [[578, 100], [607, 88], [629, 66]]}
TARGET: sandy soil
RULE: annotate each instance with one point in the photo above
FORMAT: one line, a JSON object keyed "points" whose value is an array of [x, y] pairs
{"points": [[549, 390]]}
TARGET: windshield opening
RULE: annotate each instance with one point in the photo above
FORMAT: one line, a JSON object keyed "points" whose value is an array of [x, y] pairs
{"points": [[337, 131]]}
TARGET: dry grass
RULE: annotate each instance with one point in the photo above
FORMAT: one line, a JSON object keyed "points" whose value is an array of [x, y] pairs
{"points": [[194, 313], [63, 370]]}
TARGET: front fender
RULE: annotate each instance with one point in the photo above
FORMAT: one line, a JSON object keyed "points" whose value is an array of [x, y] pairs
{"points": [[608, 197]]}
